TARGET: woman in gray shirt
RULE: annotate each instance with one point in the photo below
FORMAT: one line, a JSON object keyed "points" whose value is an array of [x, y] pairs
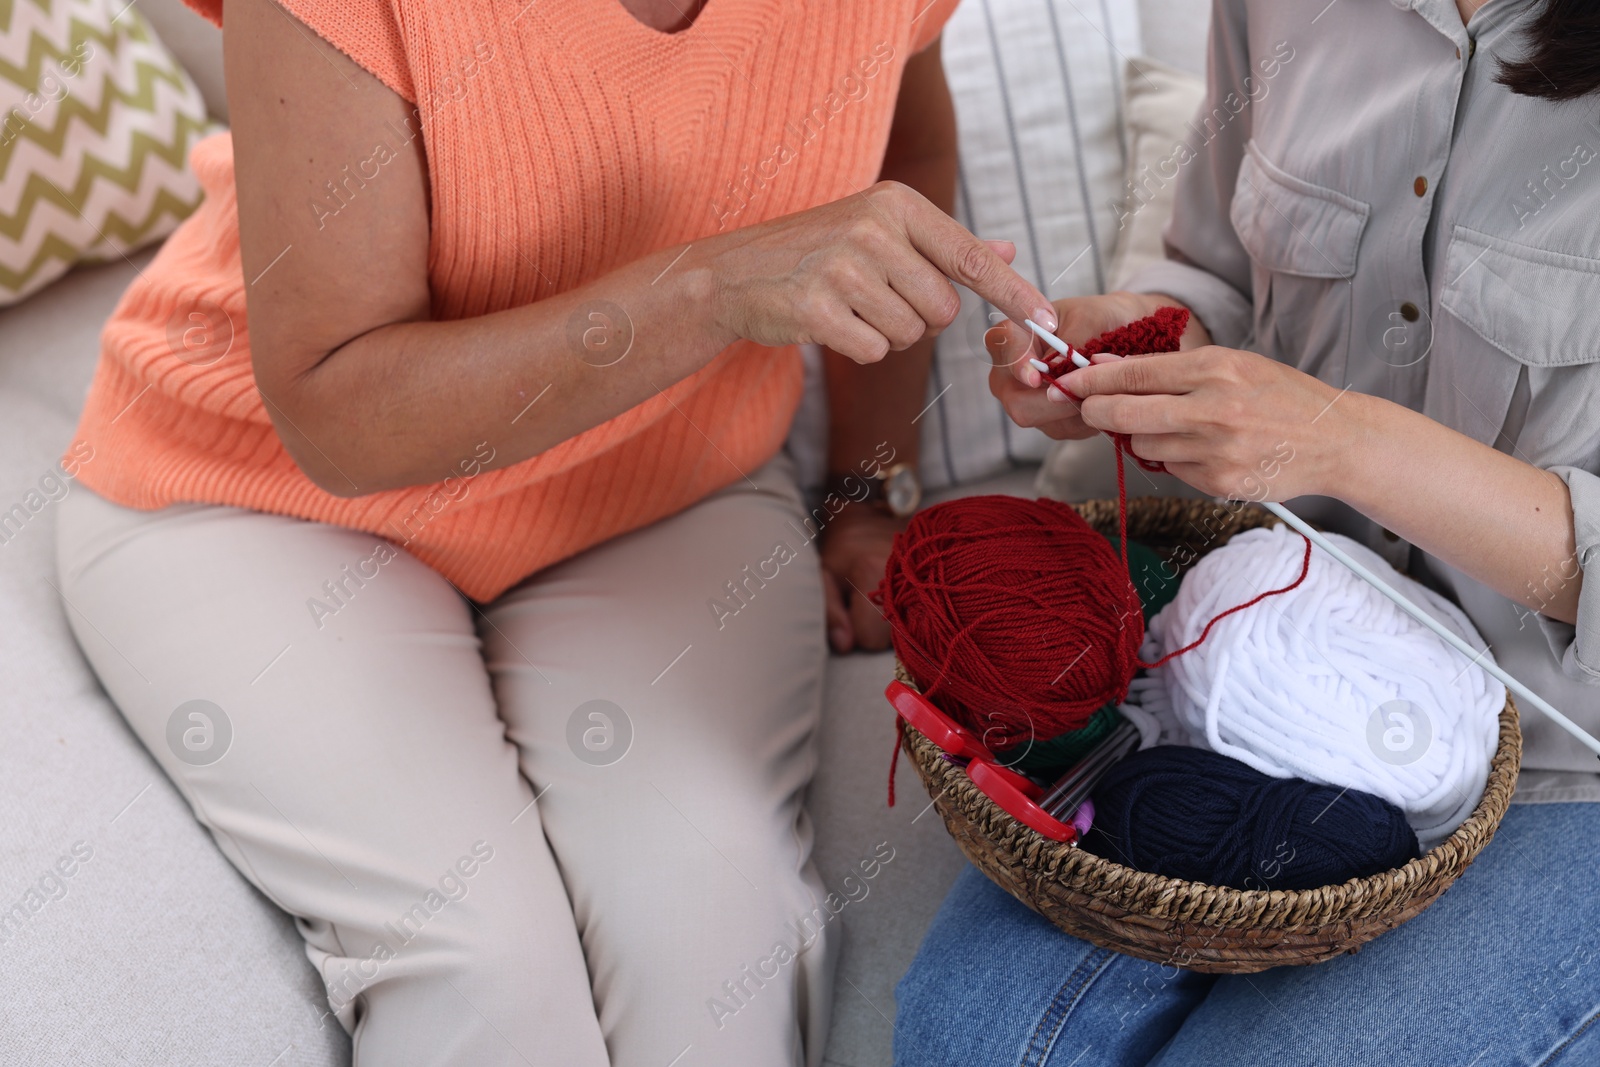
{"points": [[1387, 226]]}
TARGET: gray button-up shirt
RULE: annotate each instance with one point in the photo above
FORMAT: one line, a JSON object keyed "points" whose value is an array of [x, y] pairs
{"points": [[1364, 202]]}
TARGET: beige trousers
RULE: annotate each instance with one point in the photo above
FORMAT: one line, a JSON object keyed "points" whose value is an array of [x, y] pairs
{"points": [[565, 829]]}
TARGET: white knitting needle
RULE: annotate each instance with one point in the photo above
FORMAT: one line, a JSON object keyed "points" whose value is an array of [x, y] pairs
{"points": [[1056, 343], [1450, 636]]}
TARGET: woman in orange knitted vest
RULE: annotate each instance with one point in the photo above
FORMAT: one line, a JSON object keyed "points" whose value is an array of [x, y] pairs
{"points": [[430, 443]]}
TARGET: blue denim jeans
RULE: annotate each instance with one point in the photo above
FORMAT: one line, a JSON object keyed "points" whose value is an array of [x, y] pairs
{"points": [[1503, 969]]}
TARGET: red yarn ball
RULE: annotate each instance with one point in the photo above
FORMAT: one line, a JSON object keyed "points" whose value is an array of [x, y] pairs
{"points": [[1014, 616]]}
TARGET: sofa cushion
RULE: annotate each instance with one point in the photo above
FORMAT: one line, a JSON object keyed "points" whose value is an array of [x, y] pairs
{"points": [[96, 122], [1172, 31], [1160, 102], [198, 46]]}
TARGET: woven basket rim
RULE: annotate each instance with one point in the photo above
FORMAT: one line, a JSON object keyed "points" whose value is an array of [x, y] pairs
{"points": [[1158, 899]]}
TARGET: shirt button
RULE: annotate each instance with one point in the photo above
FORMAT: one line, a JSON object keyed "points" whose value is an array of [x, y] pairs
{"points": [[1420, 186], [1472, 47], [1410, 312], [1458, 53]]}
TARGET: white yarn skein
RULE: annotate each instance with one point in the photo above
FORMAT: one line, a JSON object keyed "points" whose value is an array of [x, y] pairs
{"points": [[1147, 708], [1304, 684]]}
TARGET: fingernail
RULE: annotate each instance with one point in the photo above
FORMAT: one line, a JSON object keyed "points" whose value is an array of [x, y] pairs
{"points": [[1055, 393], [1045, 317], [1032, 378]]}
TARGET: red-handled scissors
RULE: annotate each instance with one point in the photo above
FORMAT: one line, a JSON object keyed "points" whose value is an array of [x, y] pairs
{"points": [[1015, 793], [998, 784]]}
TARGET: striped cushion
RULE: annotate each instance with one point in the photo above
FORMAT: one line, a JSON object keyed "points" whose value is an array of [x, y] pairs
{"points": [[1038, 96], [96, 121]]}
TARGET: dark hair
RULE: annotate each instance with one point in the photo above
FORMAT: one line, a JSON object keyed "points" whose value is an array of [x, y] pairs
{"points": [[1562, 61]]}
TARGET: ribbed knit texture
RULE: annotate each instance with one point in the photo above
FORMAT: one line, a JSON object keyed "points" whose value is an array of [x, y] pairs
{"points": [[587, 141]]}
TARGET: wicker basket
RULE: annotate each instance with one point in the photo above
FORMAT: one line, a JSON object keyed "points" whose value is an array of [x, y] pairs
{"points": [[1166, 920]]}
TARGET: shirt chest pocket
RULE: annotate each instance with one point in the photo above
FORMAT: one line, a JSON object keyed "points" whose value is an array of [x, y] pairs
{"points": [[1523, 364], [1303, 241]]}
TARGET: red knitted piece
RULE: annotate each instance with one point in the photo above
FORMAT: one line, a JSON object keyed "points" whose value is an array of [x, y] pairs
{"points": [[1159, 332]]}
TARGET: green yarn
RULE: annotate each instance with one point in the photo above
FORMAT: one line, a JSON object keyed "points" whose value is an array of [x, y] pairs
{"points": [[1047, 759], [1152, 577]]}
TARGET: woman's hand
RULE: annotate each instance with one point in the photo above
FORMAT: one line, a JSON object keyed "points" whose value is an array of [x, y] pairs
{"points": [[1240, 425], [1229, 423], [863, 276], [1016, 382], [855, 548]]}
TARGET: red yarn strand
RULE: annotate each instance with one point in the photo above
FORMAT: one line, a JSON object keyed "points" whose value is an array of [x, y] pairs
{"points": [[1305, 568], [894, 760]]}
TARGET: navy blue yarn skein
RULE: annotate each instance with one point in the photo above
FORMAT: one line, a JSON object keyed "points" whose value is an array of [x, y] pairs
{"points": [[1201, 816]]}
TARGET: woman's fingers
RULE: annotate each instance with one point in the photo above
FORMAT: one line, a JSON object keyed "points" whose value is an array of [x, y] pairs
{"points": [[1136, 414], [1081, 318], [1162, 447], [1029, 407], [1021, 388], [1006, 250], [841, 630], [963, 258], [927, 293], [1169, 372], [869, 626], [1013, 347], [862, 275], [841, 329], [886, 311], [919, 285]]}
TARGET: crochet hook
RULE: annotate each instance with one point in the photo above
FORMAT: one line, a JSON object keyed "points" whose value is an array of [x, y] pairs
{"points": [[1450, 637]]}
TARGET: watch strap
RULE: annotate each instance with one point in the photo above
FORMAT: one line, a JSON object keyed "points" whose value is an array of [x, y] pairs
{"points": [[857, 487]]}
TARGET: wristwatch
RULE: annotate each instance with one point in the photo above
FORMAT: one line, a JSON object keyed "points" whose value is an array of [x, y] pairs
{"points": [[896, 490]]}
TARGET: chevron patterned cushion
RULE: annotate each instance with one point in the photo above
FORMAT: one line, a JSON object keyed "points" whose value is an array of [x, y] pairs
{"points": [[96, 122]]}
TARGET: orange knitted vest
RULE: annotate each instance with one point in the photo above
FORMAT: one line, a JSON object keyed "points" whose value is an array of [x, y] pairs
{"points": [[564, 139]]}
